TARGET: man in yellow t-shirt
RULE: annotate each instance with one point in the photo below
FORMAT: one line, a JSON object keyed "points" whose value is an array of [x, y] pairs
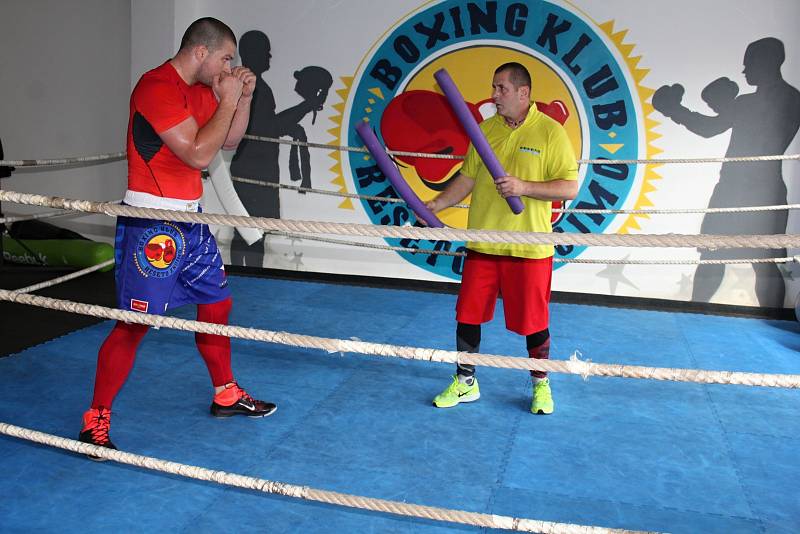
{"points": [[541, 166]]}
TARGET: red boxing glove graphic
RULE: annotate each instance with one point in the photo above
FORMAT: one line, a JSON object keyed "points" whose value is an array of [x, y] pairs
{"points": [[160, 251], [154, 251], [556, 110], [423, 121], [169, 251]]}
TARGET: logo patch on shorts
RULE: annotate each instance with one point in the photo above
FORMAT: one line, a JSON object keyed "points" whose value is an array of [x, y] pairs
{"points": [[160, 250], [139, 305]]}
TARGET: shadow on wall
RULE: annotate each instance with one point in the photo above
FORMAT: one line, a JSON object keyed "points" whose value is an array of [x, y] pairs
{"points": [[259, 160], [5, 172], [763, 122]]}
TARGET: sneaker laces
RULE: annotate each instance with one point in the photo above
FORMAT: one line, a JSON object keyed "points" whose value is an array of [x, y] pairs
{"points": [[245, 395], [453, 387], [241, 393], [99, 426], [542, 389]]}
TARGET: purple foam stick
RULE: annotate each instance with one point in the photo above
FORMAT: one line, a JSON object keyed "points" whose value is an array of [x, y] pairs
{"points": [[390, 171], [474, 132]]}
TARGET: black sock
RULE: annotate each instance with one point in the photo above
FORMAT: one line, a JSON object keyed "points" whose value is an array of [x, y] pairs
{"points": [[468, 339], [538, 347]]}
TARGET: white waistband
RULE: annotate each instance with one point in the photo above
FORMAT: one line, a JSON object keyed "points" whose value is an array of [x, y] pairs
{"points": [[146, 200]]}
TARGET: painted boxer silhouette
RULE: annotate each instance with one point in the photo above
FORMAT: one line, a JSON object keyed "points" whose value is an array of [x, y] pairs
{"points": [[312, 84], [763, 122], [259, 160]]}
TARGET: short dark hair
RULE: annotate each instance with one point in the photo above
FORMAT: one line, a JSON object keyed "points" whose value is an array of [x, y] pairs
{"points": [[769, 49], [518, 74], [208, 32]]}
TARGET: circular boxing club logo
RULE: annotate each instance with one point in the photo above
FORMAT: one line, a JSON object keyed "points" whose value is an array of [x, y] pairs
{"points": [[583, 75], [160, 250]]}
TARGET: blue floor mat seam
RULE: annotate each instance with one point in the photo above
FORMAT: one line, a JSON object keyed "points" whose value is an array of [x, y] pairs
{"points": [[301, 421], [695, 450], [501, 472], [726, 439], [645, 506]]}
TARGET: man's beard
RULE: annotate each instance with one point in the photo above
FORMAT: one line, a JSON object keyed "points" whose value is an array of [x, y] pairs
{"points": [[205, 78]]}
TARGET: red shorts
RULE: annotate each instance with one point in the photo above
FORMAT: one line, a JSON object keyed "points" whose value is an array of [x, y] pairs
{"points": [[524, 284]]}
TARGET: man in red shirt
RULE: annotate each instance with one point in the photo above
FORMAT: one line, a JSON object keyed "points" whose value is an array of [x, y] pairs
{"points": [[181, 114]]}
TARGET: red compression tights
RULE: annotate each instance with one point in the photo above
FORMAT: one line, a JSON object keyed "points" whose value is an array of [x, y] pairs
{"points": [[115, 360], [216, 350]]}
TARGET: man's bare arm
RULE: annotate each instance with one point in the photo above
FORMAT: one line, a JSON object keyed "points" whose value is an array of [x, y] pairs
{"points": [[458, 189], [558, 189], [197, 146]]}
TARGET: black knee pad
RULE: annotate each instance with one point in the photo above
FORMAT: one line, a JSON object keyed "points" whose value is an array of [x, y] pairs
{"points": [[537, 339], [468, 337]]}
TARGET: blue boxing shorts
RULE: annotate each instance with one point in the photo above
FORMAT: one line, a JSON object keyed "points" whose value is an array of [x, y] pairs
{"points": [[162, 265]]}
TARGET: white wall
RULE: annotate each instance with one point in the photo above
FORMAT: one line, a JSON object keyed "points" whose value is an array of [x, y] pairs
{"points": [[672, 46], [152, 35], [66, 83], [76, 63]]}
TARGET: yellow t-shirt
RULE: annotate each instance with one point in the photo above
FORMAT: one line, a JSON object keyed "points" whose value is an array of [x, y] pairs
{"points": [[539, 151]]}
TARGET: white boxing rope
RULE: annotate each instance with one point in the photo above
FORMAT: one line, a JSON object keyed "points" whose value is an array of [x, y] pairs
{"points": [[652, 161], [703, 241], [573, 366], [306, 492], [113, 156], [34, 216], [643, 211], [593, 261], [65, 278]]}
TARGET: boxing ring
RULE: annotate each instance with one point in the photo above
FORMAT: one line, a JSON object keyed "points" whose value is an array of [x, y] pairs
{"points": [[666, 422]]}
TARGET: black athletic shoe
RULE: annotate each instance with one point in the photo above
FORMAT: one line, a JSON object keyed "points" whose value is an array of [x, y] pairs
{"points": [[235, 401], [96, 423]]}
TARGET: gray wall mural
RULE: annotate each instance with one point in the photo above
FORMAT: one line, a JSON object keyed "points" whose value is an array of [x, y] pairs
{"points": [[259, 160], [761, 122]]}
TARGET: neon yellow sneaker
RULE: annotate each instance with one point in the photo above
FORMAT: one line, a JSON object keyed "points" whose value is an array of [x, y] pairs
{"points": [[457, 392], [542, 398]]}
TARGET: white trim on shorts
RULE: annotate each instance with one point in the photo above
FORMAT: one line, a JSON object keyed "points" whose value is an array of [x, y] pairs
{"points": [[140, 199]]}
